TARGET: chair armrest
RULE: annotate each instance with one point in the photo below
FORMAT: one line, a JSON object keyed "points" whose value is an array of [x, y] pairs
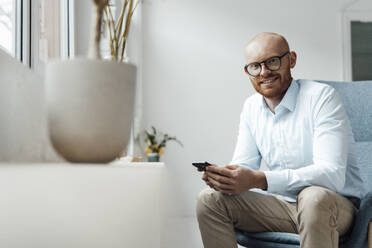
{"points": [[370, 235], [362, 220]]}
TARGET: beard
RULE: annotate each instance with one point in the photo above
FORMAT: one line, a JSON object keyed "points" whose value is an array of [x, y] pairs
{"points": [[276, 88]]}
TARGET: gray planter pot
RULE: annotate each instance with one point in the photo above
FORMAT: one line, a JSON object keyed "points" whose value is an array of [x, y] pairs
{"points": [[90, 108]]}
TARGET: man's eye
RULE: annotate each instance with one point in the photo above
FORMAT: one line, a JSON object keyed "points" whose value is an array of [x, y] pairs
{"points": [[254, 66], [272, 61]]}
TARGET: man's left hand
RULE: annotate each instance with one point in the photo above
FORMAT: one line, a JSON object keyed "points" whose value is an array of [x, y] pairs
{"points": [[235, 179]]}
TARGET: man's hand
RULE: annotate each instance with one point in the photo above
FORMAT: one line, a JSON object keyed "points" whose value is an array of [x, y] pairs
{"points": [[205, 178], [234, 179]]}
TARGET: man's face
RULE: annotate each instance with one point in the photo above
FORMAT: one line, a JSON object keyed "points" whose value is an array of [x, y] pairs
{"points": [[270, 84]]}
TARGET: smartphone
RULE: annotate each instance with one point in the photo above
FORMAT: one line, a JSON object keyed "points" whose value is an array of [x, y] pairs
{"points": [[201, 165]]}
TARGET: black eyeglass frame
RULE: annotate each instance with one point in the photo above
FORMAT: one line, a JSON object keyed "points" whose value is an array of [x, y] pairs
{"points": [[264, 62]]}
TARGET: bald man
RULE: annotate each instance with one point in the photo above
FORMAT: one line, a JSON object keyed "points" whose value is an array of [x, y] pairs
{"points": [[301, 131]]}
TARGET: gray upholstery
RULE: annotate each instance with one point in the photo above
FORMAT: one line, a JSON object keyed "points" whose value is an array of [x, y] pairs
{"points": [[364, 159], [357, 99]]}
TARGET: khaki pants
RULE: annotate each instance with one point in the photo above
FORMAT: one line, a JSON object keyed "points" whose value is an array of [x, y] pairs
{"points": [[320, 216]]}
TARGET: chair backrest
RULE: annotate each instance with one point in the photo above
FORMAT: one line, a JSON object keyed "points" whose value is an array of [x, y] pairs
{"points": [[357, 100]]}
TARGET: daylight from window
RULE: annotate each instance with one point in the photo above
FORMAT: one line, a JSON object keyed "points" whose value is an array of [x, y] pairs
{"points": [[6, 25]]}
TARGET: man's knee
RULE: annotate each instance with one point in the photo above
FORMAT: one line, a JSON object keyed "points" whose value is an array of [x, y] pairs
{"points": [[210, 201], [206, 200], [314, 205], [314, 197]]}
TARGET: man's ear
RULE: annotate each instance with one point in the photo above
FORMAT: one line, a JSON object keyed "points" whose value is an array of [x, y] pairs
{"points": [[292, 59]]}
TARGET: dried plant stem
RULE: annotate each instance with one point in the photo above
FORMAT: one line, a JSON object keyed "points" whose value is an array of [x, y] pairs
{"points": [[109, 23], [111, 29], [122, 13], [94, 51], [126, 30], [119, 32]]}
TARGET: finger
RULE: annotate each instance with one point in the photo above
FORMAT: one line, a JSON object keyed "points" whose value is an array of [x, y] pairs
{"points": [[220, 170], [205, 176], [221, 179], [225, 191], [228, 192], [210, 185], [232, 167], [219, 185]]}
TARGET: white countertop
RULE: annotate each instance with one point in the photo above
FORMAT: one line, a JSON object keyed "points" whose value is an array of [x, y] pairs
{"points": [[49, 205]]}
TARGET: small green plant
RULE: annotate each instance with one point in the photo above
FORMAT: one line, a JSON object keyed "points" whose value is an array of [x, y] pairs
{"points": [[152, 144]]}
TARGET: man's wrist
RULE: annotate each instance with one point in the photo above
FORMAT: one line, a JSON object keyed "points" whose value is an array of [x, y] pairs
{"points": [[261, 180]]}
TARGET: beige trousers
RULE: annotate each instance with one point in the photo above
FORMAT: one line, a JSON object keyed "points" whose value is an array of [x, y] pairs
{"points": [[320, 216]]}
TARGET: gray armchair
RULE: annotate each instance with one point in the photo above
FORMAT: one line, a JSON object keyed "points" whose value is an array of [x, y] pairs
{"points": [[357, 99]]}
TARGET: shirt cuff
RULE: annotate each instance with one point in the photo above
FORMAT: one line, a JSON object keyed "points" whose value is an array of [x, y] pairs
{"points": [[276, 181]]}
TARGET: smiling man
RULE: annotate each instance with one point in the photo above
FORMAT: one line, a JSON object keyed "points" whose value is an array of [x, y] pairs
{"points": [[300, 129]]}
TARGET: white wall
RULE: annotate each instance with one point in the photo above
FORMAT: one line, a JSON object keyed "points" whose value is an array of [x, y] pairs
{"points": [[193, 82]]}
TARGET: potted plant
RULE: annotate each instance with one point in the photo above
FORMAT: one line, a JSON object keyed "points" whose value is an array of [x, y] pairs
{"points": [[154, 148], [90, 101]]}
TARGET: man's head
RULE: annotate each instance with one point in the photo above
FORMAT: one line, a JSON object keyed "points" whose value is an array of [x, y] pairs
{"points": [[269, 75]]}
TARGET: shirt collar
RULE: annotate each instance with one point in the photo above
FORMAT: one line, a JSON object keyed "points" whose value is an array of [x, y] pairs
{"points": [[289, 99]]}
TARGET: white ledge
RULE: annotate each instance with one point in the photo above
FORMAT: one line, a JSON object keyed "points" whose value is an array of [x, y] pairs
{"points": [[81, 205], [115, 164]]}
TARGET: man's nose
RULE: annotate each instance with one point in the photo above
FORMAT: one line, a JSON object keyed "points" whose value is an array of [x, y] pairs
{"points": [[264, 70]]}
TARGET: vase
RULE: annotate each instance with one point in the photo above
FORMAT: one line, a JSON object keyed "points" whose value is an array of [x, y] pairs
{"points": [[153, 157], [89, 108]]}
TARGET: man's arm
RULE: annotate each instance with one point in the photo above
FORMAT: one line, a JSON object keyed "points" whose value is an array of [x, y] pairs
{"points": [[330, 151], [246, 152], [235, 179]]}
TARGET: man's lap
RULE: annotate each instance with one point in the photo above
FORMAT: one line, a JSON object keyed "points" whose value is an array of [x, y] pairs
{"points": [[256, 212]]}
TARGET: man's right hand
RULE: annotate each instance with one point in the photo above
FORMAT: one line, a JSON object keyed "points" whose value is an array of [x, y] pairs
{"points": [[205, 179]]}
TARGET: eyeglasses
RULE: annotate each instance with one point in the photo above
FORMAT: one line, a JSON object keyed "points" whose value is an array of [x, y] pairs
{"points": [[273, 64]]}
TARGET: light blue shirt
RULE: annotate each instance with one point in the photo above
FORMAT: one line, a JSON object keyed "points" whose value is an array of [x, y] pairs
{"points": [[308, 141]]}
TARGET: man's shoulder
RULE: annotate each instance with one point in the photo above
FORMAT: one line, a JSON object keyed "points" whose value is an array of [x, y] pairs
{"points": [[253, 101], [313, 88], [315, 95]]}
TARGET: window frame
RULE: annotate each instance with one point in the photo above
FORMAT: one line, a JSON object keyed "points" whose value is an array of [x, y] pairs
{"points": [[27, 20], [66, 32], [348, 17]]}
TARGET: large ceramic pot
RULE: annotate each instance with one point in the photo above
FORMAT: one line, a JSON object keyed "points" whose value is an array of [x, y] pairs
{"points": [[90, 108]]}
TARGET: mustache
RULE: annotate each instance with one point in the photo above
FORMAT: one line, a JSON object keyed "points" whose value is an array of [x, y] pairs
{"points": [[261, 79]]}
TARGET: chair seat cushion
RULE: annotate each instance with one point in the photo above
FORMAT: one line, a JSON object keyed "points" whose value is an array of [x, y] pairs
{"points": [[276, 239]]}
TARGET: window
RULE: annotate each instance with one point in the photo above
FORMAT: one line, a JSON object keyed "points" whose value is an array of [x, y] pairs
{"points": [[7, 26], [51, 28], [357, 50], [35, 31], [361, 50]]}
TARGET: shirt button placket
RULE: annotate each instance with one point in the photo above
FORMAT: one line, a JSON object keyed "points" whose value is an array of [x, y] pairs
{"points": [[283, 150]]}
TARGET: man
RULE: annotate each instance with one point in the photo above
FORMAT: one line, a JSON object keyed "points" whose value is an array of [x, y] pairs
{"points": [[300, 129]]}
